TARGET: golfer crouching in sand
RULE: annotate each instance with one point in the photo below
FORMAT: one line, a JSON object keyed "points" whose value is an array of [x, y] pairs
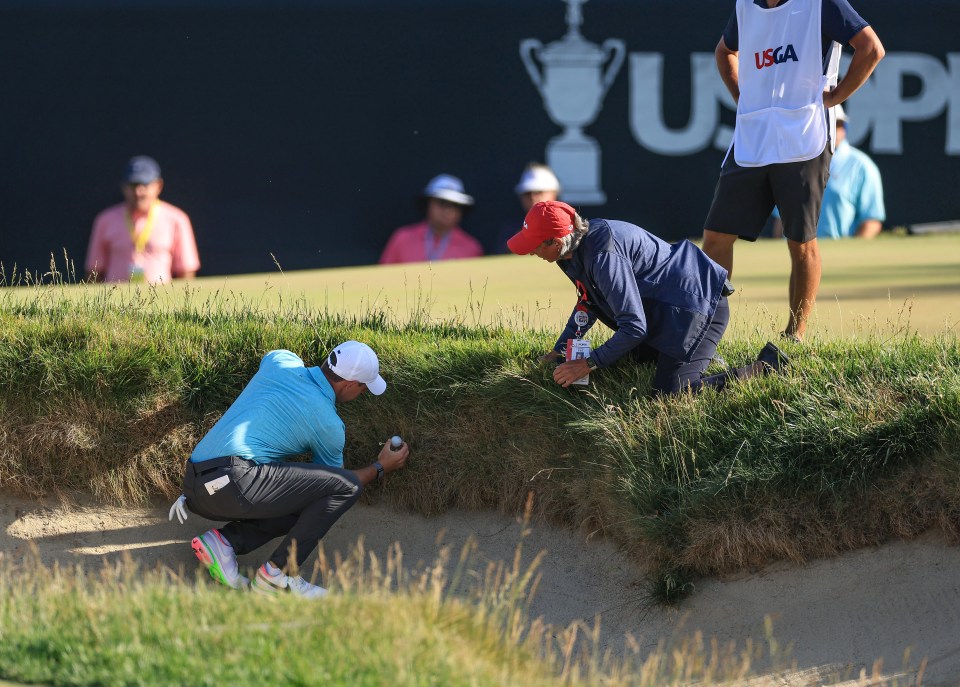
{"points": [[666, 303], [239, 470]]}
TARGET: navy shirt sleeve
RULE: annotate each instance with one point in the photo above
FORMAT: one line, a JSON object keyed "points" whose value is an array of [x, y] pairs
{"points": [[614, 276], [839, 21], [731, 34]]}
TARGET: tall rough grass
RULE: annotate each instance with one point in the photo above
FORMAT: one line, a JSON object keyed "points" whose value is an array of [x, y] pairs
{"points": [[858, 443], [447, 624]]}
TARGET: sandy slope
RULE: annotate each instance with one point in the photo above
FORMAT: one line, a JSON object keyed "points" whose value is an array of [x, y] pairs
{"points": [[838, 616]]}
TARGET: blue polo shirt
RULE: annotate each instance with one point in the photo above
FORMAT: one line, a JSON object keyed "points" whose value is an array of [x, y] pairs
{"points": [[854, 194], [284, 410]]}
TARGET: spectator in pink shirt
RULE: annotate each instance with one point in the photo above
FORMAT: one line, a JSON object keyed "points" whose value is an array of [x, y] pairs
{"points": [[439, 236], [142, 239]]}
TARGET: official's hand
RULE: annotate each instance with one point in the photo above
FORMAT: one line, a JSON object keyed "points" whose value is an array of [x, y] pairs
{"points": [[393, 459], [550, 357], [179, 508], [569, 372], [829, 99]]}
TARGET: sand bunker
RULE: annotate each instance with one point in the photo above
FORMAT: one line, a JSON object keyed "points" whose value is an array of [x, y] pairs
{"points": [[899, 603]]}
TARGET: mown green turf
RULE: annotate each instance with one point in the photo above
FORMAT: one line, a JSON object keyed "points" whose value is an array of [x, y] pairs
{"points": [[889, 285]]}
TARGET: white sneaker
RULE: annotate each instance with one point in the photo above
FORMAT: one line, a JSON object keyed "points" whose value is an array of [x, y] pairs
{"points": [[216, 554], [275, 582]]}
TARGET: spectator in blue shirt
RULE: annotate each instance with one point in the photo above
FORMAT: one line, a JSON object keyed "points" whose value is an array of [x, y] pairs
{"points": [[667, 303], [853, 199], [240, 471]]}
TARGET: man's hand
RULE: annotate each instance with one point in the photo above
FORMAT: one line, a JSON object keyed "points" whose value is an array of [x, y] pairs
{"points": [[393, 459], [390, 459], [569, 372]]}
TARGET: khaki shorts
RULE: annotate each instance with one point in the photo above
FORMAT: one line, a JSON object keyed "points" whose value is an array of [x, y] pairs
{"points": [[745, 197]]}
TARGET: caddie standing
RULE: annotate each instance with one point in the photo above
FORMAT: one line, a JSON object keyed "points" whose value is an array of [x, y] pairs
{"points": [[786, 88]]}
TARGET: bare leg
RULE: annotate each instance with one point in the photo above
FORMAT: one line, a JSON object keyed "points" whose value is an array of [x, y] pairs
{"points": [[804, 284], [719, 248]]}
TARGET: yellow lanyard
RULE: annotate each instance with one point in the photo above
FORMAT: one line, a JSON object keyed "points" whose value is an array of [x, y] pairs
{"points": [[140, 241]]}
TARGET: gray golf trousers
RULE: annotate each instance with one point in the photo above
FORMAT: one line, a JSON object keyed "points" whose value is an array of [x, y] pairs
{"points": [[262, 501]]}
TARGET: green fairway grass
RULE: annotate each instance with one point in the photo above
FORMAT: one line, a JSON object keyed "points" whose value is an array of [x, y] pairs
{"points": [[891, 285], [883, 285]]}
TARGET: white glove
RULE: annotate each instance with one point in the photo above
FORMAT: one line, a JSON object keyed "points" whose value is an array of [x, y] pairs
{"points": [[179, 508]]}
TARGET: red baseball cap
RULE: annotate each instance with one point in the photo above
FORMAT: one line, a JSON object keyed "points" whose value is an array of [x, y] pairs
{"points": [[547, 220]]}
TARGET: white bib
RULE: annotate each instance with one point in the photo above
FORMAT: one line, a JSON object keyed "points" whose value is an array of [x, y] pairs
{"points": [[780, 114]]}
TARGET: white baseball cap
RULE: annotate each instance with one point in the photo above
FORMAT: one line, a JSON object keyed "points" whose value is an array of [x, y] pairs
{"points": [[841, 114], [356, 362], [447, 187], [537, 178]]}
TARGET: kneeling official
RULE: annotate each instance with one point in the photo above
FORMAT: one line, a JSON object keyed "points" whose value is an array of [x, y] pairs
{"points": [[667, 303]]}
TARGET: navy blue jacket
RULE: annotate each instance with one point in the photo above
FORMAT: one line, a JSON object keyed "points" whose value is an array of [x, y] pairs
{"points": [[645, 289]]}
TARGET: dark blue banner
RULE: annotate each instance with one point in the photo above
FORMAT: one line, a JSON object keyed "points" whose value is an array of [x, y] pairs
{"points": [[302, 132]]}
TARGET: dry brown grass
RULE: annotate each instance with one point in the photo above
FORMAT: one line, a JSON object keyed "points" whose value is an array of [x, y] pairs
{"points": [[798, 531], [84, 446]]}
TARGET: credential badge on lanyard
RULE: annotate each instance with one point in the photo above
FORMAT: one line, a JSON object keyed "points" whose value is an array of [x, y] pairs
{"points": [[580, 318], [580, 315], [579, 348]]}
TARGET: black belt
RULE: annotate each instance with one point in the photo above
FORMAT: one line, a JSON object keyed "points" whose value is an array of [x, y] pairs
{"points": [[728, 288], [204, 466]]}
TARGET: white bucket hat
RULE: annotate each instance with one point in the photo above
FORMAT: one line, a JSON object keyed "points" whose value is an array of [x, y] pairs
{"points": [[537, 178], [447, 187], [356, 362]]}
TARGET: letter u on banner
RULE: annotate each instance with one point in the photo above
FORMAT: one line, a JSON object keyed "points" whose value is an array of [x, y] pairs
{"points": [[646, 105]]}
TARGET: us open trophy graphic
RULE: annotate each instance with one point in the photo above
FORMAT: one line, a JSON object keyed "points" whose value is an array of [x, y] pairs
{"points": [[573, 82]]}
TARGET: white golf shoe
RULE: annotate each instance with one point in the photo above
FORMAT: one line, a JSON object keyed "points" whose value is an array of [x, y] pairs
{"points": [[273, 581]]}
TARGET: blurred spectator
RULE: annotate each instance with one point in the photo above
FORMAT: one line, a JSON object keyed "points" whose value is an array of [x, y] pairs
{"points": [[143, 239], [537, 184], [853, 198], [439, 236]]}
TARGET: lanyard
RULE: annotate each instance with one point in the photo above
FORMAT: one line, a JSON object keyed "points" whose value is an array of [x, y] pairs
{"points": [[140, 241], [581, 315], [435, 252]]}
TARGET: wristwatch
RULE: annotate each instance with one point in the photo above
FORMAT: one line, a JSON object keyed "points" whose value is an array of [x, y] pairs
{"points": [[591, 363], [379, 468]]}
